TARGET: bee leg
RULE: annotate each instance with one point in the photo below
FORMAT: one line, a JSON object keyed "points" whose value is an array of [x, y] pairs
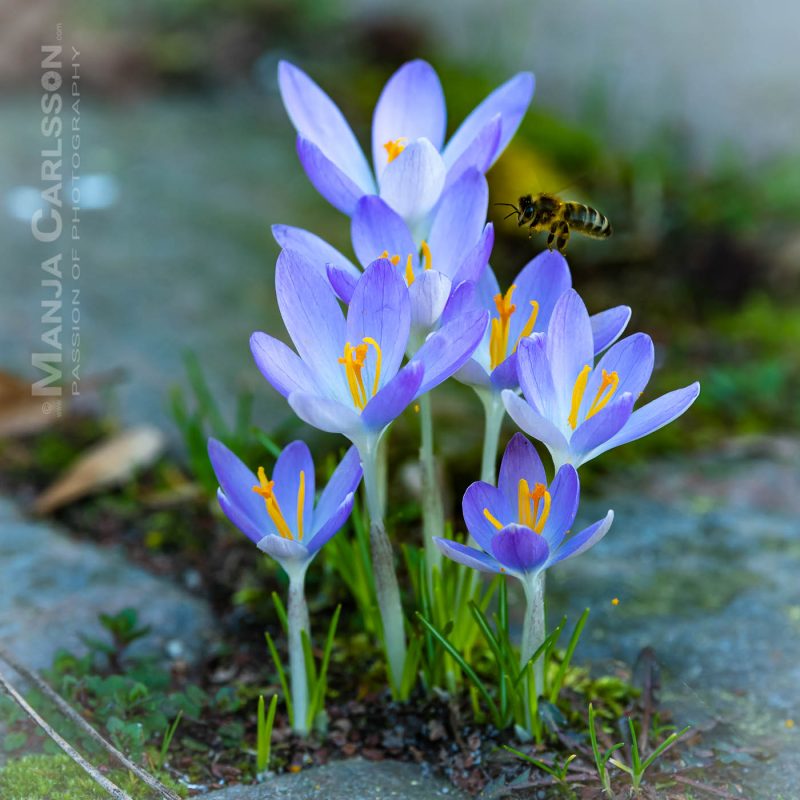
{"points": [[554, 232], [562, 236]]}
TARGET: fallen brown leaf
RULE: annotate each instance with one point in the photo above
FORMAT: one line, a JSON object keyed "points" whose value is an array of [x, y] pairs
{"points": [[109, 463], [20, 412]]}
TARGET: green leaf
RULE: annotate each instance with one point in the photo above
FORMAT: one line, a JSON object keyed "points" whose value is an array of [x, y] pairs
{"points": [[276, 659]]}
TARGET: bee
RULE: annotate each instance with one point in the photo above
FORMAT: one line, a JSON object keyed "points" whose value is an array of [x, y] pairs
{"points": [[546, 212]]}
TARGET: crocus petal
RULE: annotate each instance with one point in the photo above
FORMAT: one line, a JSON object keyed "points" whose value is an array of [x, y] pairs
{"points": [[602, 426], [458, 222], [463, 299], [326, 415], [315, 250], [511, 101], [520, 462], [411, 106], [473, 374], [533, 423], [394, 397], [535, 379], [332, 525], [477, 259], [505, 375], [280, 365], [520, 549], [380, 309], [543, 280], [582, 541], [254, 532], [564, 497], [569, 347], [479, 153], [237, 482], [376, 228], [429, 293], [608, 325], [342, 283], [313, 319], [331, 182], [632, 359], [651, 417], [488, 287], [480, 496], [284, 549], [344, 481], [468, 556], [449, 348], [413, 182], [317, 118], [294, 459]]}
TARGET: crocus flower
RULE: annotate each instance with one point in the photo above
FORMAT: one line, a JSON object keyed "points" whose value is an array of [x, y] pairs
{"points": [[522, 528], [282, 518], [456, 249], [412, 164], [346, 376], [524, 309], [579, 410]]}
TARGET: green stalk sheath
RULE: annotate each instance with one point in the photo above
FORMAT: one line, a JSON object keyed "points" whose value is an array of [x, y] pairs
{"points": [[494, 411], [432, 511], [386, 586], [297, 615], [533, 627]]}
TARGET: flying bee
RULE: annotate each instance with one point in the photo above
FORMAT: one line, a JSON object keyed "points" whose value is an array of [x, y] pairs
{"points": [[546, 212]]}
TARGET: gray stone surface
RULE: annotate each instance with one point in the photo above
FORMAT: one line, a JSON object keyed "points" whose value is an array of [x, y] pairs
{"points": [[705, 560], [355, 779], [53, 588]]}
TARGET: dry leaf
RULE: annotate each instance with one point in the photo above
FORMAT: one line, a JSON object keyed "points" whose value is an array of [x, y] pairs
{"points": [[20, 412], [110, 462]]}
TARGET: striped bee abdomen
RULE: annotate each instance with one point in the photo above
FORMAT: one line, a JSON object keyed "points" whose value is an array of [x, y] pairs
{"points": [[587, 220]]}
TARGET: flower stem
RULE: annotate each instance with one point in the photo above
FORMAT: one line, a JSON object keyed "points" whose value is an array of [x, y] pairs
{"points": [[297, 614], [533, 627], [432, 511], [494, 411], [386, 587]]}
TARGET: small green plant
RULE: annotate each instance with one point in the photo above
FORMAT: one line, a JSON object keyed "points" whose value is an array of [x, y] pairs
{"points": [[167, 740], [124, 629], [264, 733], [557, 770], [601, 759], [637, 767]]}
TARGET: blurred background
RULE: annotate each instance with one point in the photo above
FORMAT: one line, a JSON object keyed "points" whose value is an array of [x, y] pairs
{"points": [[678, 120]]}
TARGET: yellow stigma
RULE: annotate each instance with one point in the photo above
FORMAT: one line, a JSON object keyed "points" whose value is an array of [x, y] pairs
{"points": [[354, 359], [529, 325], [301, 499], [533, 506], [498, 340], [394, 147], [410, 269], [265, 489], [607, 389], [426, 255], [496, 522], [394, 259]]}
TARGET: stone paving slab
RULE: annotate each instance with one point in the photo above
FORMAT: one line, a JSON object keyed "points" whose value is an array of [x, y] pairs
{"points": [[355, 779], [54, 587]]}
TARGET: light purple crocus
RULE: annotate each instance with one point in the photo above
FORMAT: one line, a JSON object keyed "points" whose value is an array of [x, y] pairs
{"points": [[283, 519], [280, 515], [456, 249], [522, 527], [522, 524], [347, 375], [579, 410], [412, 165]]}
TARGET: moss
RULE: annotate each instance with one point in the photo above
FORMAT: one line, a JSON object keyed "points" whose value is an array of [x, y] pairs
{"points": [[42, 777]]}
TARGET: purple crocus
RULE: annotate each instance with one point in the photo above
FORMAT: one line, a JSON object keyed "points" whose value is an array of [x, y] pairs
{"points": [[522, 528], [522, 523], [456, 249], [280, 515], [347, 376], [282, 518], [579, 410], [412, 164]]}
